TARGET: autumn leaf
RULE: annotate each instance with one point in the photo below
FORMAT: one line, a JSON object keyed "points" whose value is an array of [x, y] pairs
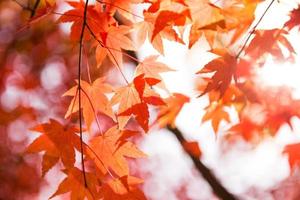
{"points": [[93, 100], [145, 28], [52, 141], [224, 69], [76, 17], [239, 15], [294, 20], [169, 18], [147, 96], [205, 18], [107, 154], [112, 42], [141, 113], [152, 69], [123, 7], [216, 113], [126, 97], [74, 183], [293, 152], [168, 113], [269, 42], [134, 99], [247, 129], [123, 188]]}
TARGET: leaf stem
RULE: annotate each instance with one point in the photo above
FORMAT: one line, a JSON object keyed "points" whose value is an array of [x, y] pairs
{"points": [[253, 30]]}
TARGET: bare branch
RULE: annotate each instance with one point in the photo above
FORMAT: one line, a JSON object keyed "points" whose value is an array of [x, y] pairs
{"points": [[214, 183], [79, 89]]}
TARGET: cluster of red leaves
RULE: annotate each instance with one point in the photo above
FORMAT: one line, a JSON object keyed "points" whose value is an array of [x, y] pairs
{"points": [[228, 82]]}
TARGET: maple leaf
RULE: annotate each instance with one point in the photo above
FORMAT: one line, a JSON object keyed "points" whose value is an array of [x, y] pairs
{"points": [[205, 18], [268, 42], [74, 183], [146, 27], [126, 97], [112, 42], [216, 113], [52, 141], [134, 99], [279, 110], [123, 7], [141, 113], [224, 69], [293, 151], [238, 16], [294, 19], [147, 96], [168, 113], [76, 17], [107, 154], [152, 69], [169, 18], [248, 129], [123, 188], [93, 100]]}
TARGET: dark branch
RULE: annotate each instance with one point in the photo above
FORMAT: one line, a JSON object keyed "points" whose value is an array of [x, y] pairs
{"points": [[79, 89], [33, 10], [214, 183]]}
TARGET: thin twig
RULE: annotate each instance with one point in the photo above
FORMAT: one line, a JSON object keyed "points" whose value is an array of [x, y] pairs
{"points": [[253, 30], [218, 189], [36, 4], [79, 89]]}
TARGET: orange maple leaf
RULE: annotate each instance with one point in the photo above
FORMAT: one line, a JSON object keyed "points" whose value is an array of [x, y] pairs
{"points": [[107, 153], [151, 68], [293, 151], [167, 18], [124, 188], [168, 113], [205, 19], [294, 20], [268, 42], [113, 40], [74, 183], [224, 69], [216, 113], [93, 100], [146, 27], [52, 141], [134, 99]]}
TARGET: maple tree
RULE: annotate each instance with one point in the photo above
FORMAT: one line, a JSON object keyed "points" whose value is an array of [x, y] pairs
{"points": [[90, 115]]}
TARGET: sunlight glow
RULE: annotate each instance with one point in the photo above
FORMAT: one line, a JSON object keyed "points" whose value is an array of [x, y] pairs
{"points": [[281, 74]]}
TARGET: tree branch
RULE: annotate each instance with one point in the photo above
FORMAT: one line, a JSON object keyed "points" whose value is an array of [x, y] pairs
{"points": [[33, 10], [214, 183], [79, 89]]}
